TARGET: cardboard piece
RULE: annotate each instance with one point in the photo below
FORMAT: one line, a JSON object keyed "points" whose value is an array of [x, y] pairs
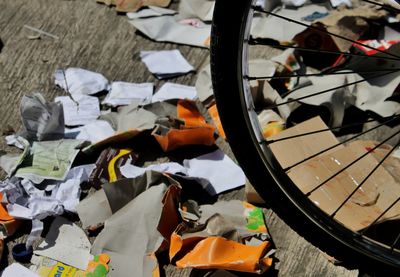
{"points": [[378, 191], [129, 243], [46, 267], [306, 146], [367, 204], [252, 195]]}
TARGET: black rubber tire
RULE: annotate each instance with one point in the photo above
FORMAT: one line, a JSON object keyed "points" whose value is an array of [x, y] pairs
{"points": [[266, 176]]}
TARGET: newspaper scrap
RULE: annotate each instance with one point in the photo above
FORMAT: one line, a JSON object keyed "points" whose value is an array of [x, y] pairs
{"points": [[49, 160]]}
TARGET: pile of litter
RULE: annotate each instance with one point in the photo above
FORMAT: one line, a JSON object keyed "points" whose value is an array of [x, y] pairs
{"points": [[79, 159]]}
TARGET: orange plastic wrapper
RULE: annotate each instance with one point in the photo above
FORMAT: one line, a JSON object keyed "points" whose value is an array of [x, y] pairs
{"points": [[7, 222], [133, 5], [217, 121], [194, 130]]}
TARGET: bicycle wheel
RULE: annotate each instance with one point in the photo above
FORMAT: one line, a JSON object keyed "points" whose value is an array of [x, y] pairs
{"points": [[357, 224]]}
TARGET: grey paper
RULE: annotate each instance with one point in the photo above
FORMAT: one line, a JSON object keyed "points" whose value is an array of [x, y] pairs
{"points": [[41, 120], [131, 234]]}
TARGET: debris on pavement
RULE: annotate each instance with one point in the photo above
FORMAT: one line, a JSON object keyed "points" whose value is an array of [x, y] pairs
{"points": [[233, 225], [174, 91], [85, 163], [49, 160], [40, 32], [67, 243], [202, 9], [82, 110], [166, 63], [168, 29], [42, 120], [133, 5], [150, 11], [123, 93], [97, 267], [16, 269], [80, 81], [109, 165]]}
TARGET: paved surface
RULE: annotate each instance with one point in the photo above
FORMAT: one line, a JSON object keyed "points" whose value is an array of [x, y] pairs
{"points": [[92, 36]]}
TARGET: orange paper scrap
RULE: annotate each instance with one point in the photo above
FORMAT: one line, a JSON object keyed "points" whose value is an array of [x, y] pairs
{"points": [[220, 253]]}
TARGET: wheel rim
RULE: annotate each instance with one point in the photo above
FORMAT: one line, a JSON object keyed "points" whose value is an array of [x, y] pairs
{"points": [[357, 240]]}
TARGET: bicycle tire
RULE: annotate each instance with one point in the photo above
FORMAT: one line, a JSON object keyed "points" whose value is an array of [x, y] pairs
{"points": [[264, 172]]}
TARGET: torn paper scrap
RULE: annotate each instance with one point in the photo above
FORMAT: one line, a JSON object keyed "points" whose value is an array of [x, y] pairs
{"points": [[202, 9], [216, 171], [94, 132], [166, 63], [68, 192], [10, 162], [97, 208], [282, 30], [123, 93], [150, 12], [168, 29], [15, 140], [50, 160], [16, 269], [42, 120], [94, 210], [34, 203], [245, 258], [134, 5], [132, 171], [174, 91], [222, 173], [80, 81], [80, 111], [234, 225], [67, 243], [46, 267], [295, 3], [204, 86], [129, 242]]}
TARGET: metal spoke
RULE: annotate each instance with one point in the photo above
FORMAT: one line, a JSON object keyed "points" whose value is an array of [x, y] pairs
{"points": [[323, 31], [352, 163], [266, 42], [395, 242], [250, 78], [328, 90], [365, 179], [340, 143]]}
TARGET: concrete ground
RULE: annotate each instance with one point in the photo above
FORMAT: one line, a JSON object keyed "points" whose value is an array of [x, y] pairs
{"points": [[94, 37]]}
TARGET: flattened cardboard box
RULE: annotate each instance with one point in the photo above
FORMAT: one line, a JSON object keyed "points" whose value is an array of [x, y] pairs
{"points": [[367, 203]]}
